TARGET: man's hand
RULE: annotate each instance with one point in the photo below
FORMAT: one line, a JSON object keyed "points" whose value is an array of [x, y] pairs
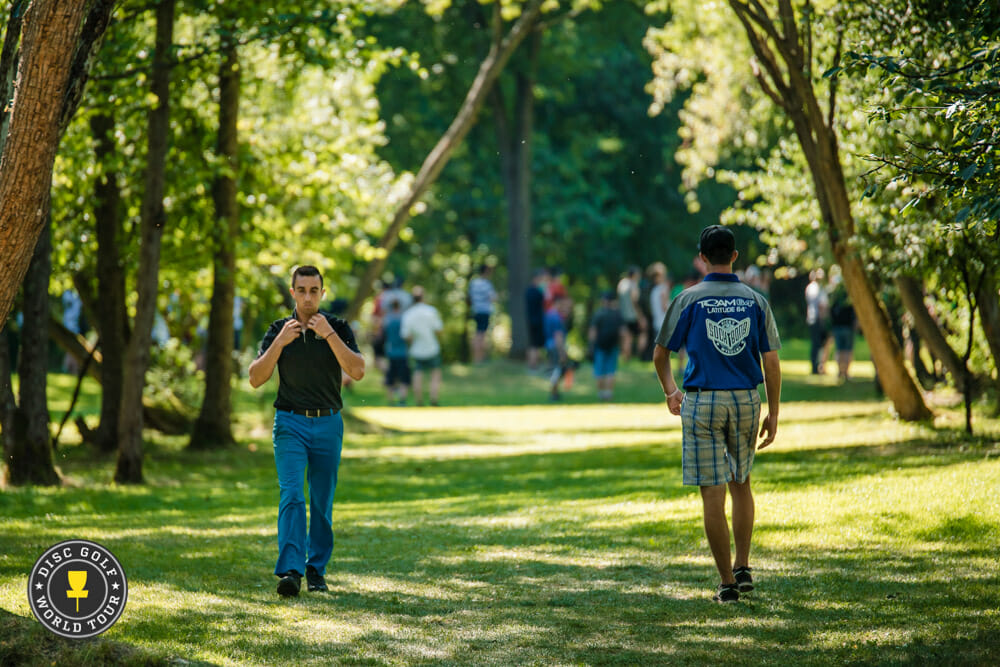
{"points": [[674, 402], [288, 332], [768, 429], [320, 325]]}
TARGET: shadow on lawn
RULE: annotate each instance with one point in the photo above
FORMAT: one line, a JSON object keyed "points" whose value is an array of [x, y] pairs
{"points": [[820, 608], [460, 560]]}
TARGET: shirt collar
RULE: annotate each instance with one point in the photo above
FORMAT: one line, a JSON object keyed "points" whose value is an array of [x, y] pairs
{"points": [[723, 277]]}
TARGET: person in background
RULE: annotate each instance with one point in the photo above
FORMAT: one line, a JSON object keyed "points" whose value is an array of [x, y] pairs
{"points": [[72, 306], [376, 332], [534, 307], [555, 344], [659, 295], [607, 329], [628, 303], [555, 287], [843, 322], [818, 321], [482, 297], [420, 327], [237, 322], [397, 376]]}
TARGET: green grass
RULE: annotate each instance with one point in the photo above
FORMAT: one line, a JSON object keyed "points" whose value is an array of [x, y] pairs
{"points": [[499, 529]]}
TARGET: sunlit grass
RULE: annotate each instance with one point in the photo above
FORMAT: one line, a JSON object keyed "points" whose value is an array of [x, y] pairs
{"points": [[526, 533]]}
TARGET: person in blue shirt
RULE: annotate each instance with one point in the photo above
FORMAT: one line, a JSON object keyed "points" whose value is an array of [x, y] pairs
{"points": [[398, 375], [727, 329], [555, 344]]}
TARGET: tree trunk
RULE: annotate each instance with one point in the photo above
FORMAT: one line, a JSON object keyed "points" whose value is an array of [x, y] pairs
{"points": [[95, 24], [8, 404], [515, 161], [8, 63], [988, 298], [170, 419], [29, 445], [111, 312], [50, 34], [789, 84], [912, 294], [153, 217], [213, 427], [489, 70]]}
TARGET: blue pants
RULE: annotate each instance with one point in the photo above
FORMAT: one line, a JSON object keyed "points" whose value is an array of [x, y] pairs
{"points": [[306, 445]]}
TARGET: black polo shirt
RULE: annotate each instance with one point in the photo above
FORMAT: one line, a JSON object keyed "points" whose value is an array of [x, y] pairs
{"points": [[309, 374]]}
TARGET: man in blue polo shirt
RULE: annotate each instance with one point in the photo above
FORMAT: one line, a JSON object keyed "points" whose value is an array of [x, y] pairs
{"points": [[310, 350], [727, 329]]}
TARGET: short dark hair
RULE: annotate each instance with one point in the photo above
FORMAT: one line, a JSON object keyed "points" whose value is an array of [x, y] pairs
{"points": [[717, 244], [306, 270]]}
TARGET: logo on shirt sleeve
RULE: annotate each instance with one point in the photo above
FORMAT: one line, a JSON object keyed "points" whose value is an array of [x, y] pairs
{"points": [[729, 336]]}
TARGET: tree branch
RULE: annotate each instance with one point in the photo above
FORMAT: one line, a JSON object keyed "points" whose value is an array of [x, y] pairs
{"points": [[777, 89], [832, 106], [465, 118]]}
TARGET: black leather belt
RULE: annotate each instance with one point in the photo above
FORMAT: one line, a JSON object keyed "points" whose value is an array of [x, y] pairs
{"points": [[696, 389], [324, 412]]}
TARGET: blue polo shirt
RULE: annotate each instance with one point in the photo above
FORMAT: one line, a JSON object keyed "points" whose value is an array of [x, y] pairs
{"points": [[725, 326]]}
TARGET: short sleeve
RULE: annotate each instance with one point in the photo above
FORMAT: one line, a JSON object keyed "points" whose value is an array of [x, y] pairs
{"points": [[345, 332], [272, 333], [771, 330]]}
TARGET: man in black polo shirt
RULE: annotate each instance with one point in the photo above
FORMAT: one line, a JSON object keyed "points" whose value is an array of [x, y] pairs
{"points": [[310, 350]]}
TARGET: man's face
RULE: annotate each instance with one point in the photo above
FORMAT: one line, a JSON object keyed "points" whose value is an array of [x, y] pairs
{"points": [[307, 293]]}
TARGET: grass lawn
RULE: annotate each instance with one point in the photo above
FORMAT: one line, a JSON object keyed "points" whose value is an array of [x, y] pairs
{"points": [[499, 529]]}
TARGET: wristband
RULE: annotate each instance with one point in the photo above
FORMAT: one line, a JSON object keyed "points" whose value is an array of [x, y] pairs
{"points": [[328, 335], [677, 391]]}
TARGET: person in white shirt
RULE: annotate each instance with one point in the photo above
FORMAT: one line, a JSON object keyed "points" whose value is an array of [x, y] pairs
{"points": [[659, 296], [420, 327], [818, 320]]}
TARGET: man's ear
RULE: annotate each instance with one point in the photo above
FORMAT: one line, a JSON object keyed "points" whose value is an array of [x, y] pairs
{"points": [[736, 253]]}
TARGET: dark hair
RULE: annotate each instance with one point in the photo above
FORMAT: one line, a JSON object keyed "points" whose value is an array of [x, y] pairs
{"points": [[306, 270], [717, 244]]}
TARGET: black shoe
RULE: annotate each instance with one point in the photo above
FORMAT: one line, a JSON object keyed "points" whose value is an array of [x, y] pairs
{"points": [[314, 579], [727, 593], [290, 584], [743, 578]]}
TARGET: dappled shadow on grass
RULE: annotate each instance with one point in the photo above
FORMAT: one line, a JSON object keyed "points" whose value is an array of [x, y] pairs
{"points": [[495, 551], [823, 466]]}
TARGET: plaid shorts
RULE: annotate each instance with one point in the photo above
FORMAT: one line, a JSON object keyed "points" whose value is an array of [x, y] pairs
{"points": [[720, 435]]}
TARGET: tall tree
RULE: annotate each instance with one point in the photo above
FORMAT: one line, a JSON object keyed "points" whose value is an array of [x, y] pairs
{"points": [[46, 89], [153, 219], [501, 49], [783, 47], [28, 446], [942, 73], [112, 317], [514, 136], [213, 427]]}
